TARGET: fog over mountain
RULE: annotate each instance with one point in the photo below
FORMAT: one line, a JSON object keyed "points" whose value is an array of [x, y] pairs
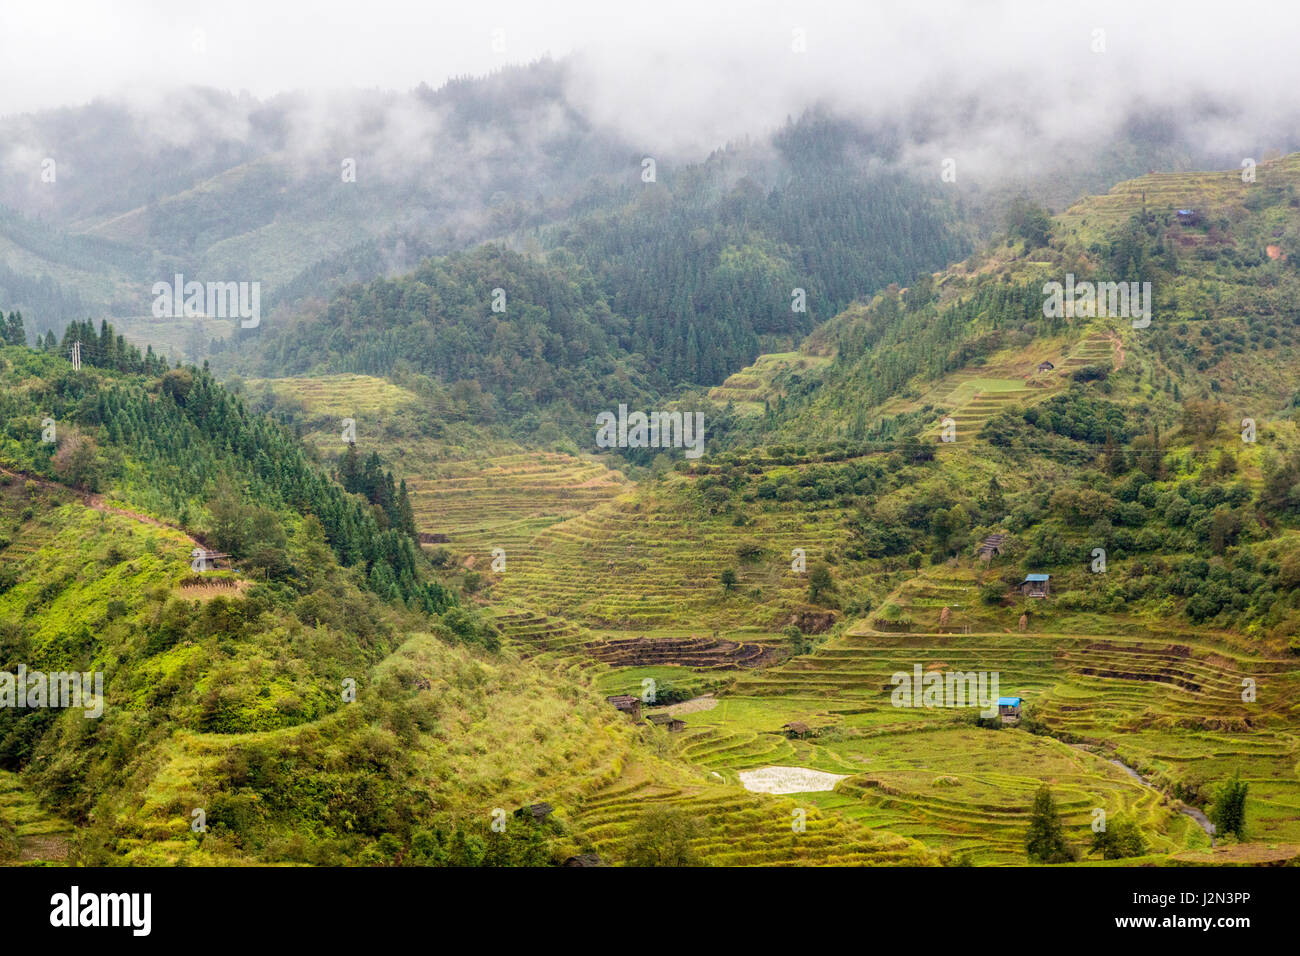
{"points": [[686, 434], [677, 79], [212, 140]]}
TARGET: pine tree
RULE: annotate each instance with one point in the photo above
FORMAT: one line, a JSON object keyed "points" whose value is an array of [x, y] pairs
{"points": [[406, 514], [13, 332], [1228, 811], [1045, 840]]}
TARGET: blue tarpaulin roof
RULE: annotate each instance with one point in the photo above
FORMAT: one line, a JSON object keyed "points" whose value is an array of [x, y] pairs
{"points": [[1037, 577], [1008, 701]]}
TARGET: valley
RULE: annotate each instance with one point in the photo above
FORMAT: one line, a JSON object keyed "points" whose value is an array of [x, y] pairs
{"points": [[451, 620]]}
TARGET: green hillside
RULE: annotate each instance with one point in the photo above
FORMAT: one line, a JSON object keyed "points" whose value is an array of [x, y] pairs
{"points": [[1174, 657], [487, 575]]}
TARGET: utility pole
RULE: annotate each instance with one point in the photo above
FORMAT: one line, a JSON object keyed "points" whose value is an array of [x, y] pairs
{"points": [[76, 356]]}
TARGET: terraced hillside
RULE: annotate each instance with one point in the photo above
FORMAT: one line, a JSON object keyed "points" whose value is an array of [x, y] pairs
{"points": [[337, 395], [1143, 687], [1202, 190], [1171, 707], [764, 381], [657, 560], [976, 400], [735, 828], [1010, 380], [29, 835], [505, 502]]}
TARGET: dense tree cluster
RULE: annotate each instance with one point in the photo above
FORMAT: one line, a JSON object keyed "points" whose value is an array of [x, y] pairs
{"points": [[192, 445]]}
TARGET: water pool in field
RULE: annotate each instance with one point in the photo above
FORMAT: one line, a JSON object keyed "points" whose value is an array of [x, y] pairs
{"points": [[788, 780]]}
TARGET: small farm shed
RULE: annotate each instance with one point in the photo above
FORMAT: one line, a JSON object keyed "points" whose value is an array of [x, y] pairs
{"points": [[991, 546], [673, 724], [1188, 217], [1045, 366], [797, 729], [628, 704], [1036, 585], [1009, 709], [205, 560]]}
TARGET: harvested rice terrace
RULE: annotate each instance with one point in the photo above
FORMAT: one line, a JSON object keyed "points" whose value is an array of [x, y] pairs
{"points": [[620, 567], [1123, 674], [577, 545], [741, 829], [565, 643], [503, 502]]}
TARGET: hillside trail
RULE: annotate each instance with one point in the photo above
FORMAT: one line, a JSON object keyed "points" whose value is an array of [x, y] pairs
{"points": [[1119, 349], [97, 502]]}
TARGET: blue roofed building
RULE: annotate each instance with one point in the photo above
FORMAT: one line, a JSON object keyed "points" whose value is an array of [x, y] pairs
{"points": [[1036, 585], [1009, 709]]}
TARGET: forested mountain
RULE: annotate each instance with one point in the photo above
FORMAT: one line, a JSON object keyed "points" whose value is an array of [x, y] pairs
{"points": [[1222, 276], [672, 282], [1170, 445], [228, 195], [101, 201]]}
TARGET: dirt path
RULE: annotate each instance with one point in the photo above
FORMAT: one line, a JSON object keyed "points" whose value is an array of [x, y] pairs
{"points": [[1119, 349], [97, 503]]}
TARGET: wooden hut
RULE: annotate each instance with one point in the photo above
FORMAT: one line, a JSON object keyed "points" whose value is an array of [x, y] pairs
{"points": [[205, 560], [627, 704], [1036, 585], [667, 721], [1009, 709], [990, 547]]}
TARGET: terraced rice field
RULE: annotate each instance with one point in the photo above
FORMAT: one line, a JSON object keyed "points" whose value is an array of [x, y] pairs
{"points": [[504, 502], [752, 386], [737, 828], [624, 588], [1171, 708], [338, 395], [1095, 349], [972, 396], [973, 401], [633, 563], [1163, 192], [41, 837]]}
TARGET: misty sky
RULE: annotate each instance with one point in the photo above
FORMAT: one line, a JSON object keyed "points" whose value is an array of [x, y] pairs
{"points": [[687, 73]]}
